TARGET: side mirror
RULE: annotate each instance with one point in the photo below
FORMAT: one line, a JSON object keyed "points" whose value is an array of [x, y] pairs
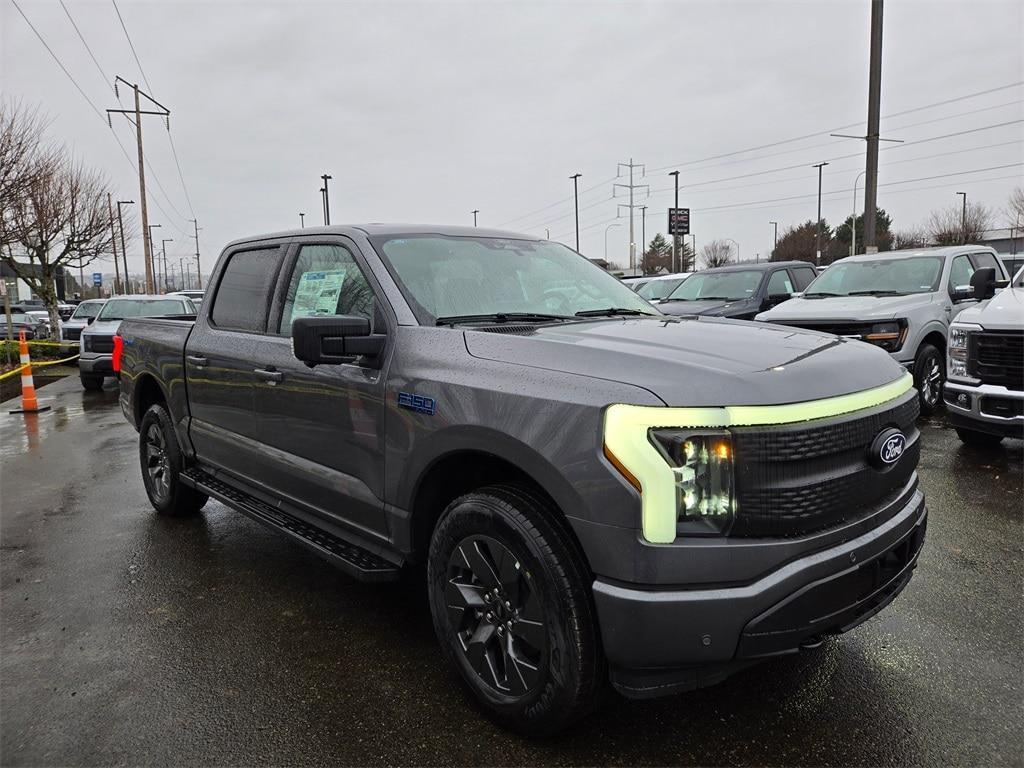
{"points": [[983, 283], [334, 339], [775, 299], [90, 320]]}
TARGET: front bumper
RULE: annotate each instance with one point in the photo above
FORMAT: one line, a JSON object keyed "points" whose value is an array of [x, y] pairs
{"points": [[986, 408], [96, 364], [663, 641]]}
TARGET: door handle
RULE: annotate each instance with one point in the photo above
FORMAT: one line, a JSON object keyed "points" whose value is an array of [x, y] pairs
{"points": [[197, 360], [269, 375]]}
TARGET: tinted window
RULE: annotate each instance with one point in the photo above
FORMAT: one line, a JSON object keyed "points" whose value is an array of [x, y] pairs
{"points": [[326, 281], [724, 286], [244, 291], [779, 283], [803, 277], [960, 272]]}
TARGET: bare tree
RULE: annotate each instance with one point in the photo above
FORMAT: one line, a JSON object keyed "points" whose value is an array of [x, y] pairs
{"points": [[716, 253], [950, 226], [24, 156], [1015, 207], [914, 237]]}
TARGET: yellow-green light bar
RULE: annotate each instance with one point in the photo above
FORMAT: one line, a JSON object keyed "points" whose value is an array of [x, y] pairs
{"points": [[626, 428]]}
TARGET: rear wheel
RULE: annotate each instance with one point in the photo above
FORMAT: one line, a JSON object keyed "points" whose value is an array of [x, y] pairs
{"points": [[91, 382], [162, 463], [511, 608], [929, 378], [978, 439]]}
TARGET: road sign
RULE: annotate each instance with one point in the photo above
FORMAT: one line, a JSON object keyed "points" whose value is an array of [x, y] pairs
{"points": [[679, 221], [97, 278]]}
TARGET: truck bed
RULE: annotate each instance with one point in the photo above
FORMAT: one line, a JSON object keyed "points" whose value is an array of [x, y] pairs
{"points": [[155, 346]]}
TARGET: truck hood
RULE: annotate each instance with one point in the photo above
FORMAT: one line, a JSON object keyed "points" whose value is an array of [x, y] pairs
{"points": [[860, 308], [715, 308], [1003, 312], [697, 361], [103, 327]]}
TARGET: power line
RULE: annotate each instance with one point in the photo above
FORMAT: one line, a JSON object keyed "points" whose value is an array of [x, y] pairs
{"points": [[87, 48], [557, 202], [131, 45]]}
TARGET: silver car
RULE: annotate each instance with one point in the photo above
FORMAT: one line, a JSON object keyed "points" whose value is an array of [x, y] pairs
{"points": [[96, 345], [901, 301], [84, 314]]}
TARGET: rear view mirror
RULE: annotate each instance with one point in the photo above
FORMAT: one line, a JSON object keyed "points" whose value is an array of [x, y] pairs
{"points": [[334, 339], [983, 283]]}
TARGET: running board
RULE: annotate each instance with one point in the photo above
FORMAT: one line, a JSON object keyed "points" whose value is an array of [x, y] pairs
{"points": [[354, 560]]}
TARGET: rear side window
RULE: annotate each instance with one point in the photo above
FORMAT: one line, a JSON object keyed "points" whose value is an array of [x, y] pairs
{"points": [[960, 272], [803, 277], [985, 260], [243, 295]]}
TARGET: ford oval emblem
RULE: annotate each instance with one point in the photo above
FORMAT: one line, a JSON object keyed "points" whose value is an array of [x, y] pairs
{"points": [[888, 447]]}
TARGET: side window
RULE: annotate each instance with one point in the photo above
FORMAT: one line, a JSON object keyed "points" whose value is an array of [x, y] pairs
{"points": [[984, 260], [779, 283], [960, 272], [326, 281], [804, 276], [243, 295]]}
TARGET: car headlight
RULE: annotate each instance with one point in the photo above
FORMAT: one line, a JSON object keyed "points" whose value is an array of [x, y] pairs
{"points": [[702, 466], [957, 349], [888, 335]]}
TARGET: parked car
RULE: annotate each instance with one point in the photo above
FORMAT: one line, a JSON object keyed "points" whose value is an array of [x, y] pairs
{"points": [[19, 322], [660, 286], [65, 311], [96, 342], [901, 301], [635, 283], [42, 317], [984, 391], [80, 319], [738, 291], [194, 294], [391, 396]]}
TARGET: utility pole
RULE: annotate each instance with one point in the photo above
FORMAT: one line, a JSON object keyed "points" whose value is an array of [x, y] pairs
{"points": [[124, 251], [113, 245], [163, 249], [631, 187], [576, 200], [165, 113], [675, 237], [475, 212], [963, 219], [188, 276], [302, 220], [853, 221], [874, 101], [643, 231], [817, 226], [327, 200], [199, 272], [775, 241], [151, 269]]}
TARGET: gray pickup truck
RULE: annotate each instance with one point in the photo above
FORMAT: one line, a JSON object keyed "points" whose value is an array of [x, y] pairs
{"points": [[592, 490]]}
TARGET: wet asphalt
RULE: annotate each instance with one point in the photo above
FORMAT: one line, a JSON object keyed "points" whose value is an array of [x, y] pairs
{"points": [[130, 639]]}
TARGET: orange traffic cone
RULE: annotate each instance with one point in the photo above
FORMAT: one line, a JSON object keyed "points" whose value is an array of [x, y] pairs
{"points": [[29, 403]]}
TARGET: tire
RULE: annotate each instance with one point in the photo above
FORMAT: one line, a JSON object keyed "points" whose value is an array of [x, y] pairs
{"points": [[929, 378], [977, 439], [161, 462], [530, 654], [91, 382]]}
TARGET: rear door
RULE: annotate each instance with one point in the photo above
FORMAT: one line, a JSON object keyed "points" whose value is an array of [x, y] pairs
{"points": [[322, 428], [220, 355]]}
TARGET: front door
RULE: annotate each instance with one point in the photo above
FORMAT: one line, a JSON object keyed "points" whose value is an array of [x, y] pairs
{"points": [[322, 428]]}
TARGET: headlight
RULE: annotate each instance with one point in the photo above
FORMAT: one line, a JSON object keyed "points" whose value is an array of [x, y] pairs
{"points": [[702, 465], [889, 335], [957, 349]]}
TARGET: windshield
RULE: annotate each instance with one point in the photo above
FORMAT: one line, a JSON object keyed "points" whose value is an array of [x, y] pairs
{"points": [[658, 289], [119, 309], [85, 311], [726, 286], [887, 277], [451, 277], [19, 317]]}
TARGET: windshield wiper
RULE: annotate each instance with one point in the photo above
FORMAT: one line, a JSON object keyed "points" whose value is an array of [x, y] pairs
{"points": [[877, 292], [499, 317], [821, 293], [611, 311]]}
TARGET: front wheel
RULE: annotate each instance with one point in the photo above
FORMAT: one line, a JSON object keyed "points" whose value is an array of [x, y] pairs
{"points": [[91, 382], [510, 603], [929, 378], [162, 463], [978, 439]]}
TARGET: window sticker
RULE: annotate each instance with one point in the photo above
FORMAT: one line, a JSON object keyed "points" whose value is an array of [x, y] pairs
{"points": [[318, 293]]}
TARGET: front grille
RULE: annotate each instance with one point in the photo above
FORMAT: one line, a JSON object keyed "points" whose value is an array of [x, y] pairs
{"points": [[72, 334], [99, 343], [997, 358], [852, 330], [793, 480]]}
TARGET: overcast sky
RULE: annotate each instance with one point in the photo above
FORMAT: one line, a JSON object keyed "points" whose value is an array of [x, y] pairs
{"points": [[424, 111]]}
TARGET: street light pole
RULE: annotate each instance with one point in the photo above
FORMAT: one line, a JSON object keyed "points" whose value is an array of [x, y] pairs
{"points": [[775, 241], [475, 211], [817, 226], [152, 282], [606, 240], [124, 253], [576, 199], [853, 221], [323, 205], [163, 251], [874, 107], [302, 220], [643, 231], [963, 219], [675, 237], [327, 200]]}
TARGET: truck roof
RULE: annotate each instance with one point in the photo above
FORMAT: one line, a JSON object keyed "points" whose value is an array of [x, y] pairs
{"points": [[943, 251], [375, 230]]}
